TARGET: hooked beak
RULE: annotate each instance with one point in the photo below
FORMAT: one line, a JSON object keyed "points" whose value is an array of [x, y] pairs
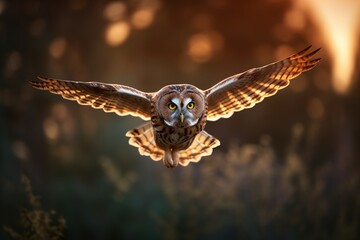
{"points": [[182, 118]]}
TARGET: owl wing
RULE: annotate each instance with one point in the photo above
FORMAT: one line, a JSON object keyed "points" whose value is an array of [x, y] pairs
{"points": [[246, 89], [122, 100]]}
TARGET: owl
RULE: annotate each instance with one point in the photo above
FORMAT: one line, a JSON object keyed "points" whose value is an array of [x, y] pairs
{"points": [[176, 115]]}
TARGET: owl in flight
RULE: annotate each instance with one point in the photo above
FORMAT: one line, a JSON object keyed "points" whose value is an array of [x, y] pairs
{"points": [[177, 113]]}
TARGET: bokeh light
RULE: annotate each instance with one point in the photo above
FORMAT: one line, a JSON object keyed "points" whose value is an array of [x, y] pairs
{"points": [[117, 33], [202, 46], [51, 129], [57, 47], [142, 18], [115, 11]]}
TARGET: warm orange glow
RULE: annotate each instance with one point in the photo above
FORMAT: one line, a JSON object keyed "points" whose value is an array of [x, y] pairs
{"points": [[202, 46], [283, 51], [117, 33], [57, 47], [115, 11], [295, 19], [51, 129], [149, 4], [142, 18], [339, 25]]}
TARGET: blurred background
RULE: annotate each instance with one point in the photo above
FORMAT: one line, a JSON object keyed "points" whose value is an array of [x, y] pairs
{"points": [[287, 169]]}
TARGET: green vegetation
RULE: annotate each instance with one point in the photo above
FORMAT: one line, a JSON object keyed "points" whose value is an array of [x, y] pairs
{"points": [[37, 223]]}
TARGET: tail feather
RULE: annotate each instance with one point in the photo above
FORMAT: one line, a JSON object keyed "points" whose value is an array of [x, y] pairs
{"points": [[142, 137], [202, 145]]}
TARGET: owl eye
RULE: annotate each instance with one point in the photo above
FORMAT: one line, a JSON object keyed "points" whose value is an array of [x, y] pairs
{"points": [[172, 106], [191, 105]]}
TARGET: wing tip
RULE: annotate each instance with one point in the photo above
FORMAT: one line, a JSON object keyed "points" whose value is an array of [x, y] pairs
{"points": [[40, 83], [303, 53]]}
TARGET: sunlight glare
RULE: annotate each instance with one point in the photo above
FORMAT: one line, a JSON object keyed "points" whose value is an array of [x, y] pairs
{"points": [[339, 23]]}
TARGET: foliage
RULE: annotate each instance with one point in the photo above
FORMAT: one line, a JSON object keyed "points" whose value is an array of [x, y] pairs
{"points": [[249, 192], [37, 223]]}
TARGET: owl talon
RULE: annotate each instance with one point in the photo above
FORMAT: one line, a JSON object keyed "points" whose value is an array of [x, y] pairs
{"points": [[175, 158], [171, 159], [168, 162]]}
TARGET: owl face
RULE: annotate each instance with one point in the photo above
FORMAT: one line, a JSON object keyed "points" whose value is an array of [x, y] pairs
{"points": [[181, 106]]}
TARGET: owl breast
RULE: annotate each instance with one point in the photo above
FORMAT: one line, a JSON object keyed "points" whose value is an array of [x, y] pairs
{"points": [[173, 138]]}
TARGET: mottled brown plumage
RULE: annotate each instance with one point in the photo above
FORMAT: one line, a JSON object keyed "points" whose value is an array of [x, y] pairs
{"points": [[178, 113]]}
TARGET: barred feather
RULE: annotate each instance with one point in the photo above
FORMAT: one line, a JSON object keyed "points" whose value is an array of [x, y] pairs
{"points": [[122, 100], [143, 138], [246, 89], [202, 145]]}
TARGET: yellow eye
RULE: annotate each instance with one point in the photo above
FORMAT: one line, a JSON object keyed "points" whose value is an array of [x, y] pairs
{"points": [[172, 106], [191, 105]]}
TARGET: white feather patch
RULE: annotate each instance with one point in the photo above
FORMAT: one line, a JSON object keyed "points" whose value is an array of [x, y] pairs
{"points": [[130, 92], [226, 83]]}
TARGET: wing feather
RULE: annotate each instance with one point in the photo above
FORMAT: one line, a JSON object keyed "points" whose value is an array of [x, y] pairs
{"points": [[122, 100], [246, 89]]}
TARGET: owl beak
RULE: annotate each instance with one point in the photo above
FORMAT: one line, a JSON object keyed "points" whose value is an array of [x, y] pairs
{"points": [[182, 118]]}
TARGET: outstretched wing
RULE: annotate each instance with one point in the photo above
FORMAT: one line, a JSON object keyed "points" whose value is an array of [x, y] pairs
{"points": [[122, 100], [246, 89]]}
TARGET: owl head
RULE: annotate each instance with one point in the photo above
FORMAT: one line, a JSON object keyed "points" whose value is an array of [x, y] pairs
{"points": [[180, 105]]}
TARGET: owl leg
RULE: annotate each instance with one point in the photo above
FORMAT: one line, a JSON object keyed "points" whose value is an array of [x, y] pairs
{"points": [[171, 158], [175, 157], [167, 160]]}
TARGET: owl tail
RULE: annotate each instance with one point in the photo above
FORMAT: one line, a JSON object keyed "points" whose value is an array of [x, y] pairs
{"points": [[142, 137], [202, 145]]}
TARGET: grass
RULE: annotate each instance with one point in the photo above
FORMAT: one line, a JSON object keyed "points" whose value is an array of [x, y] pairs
{"points": [[37, 223]]}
